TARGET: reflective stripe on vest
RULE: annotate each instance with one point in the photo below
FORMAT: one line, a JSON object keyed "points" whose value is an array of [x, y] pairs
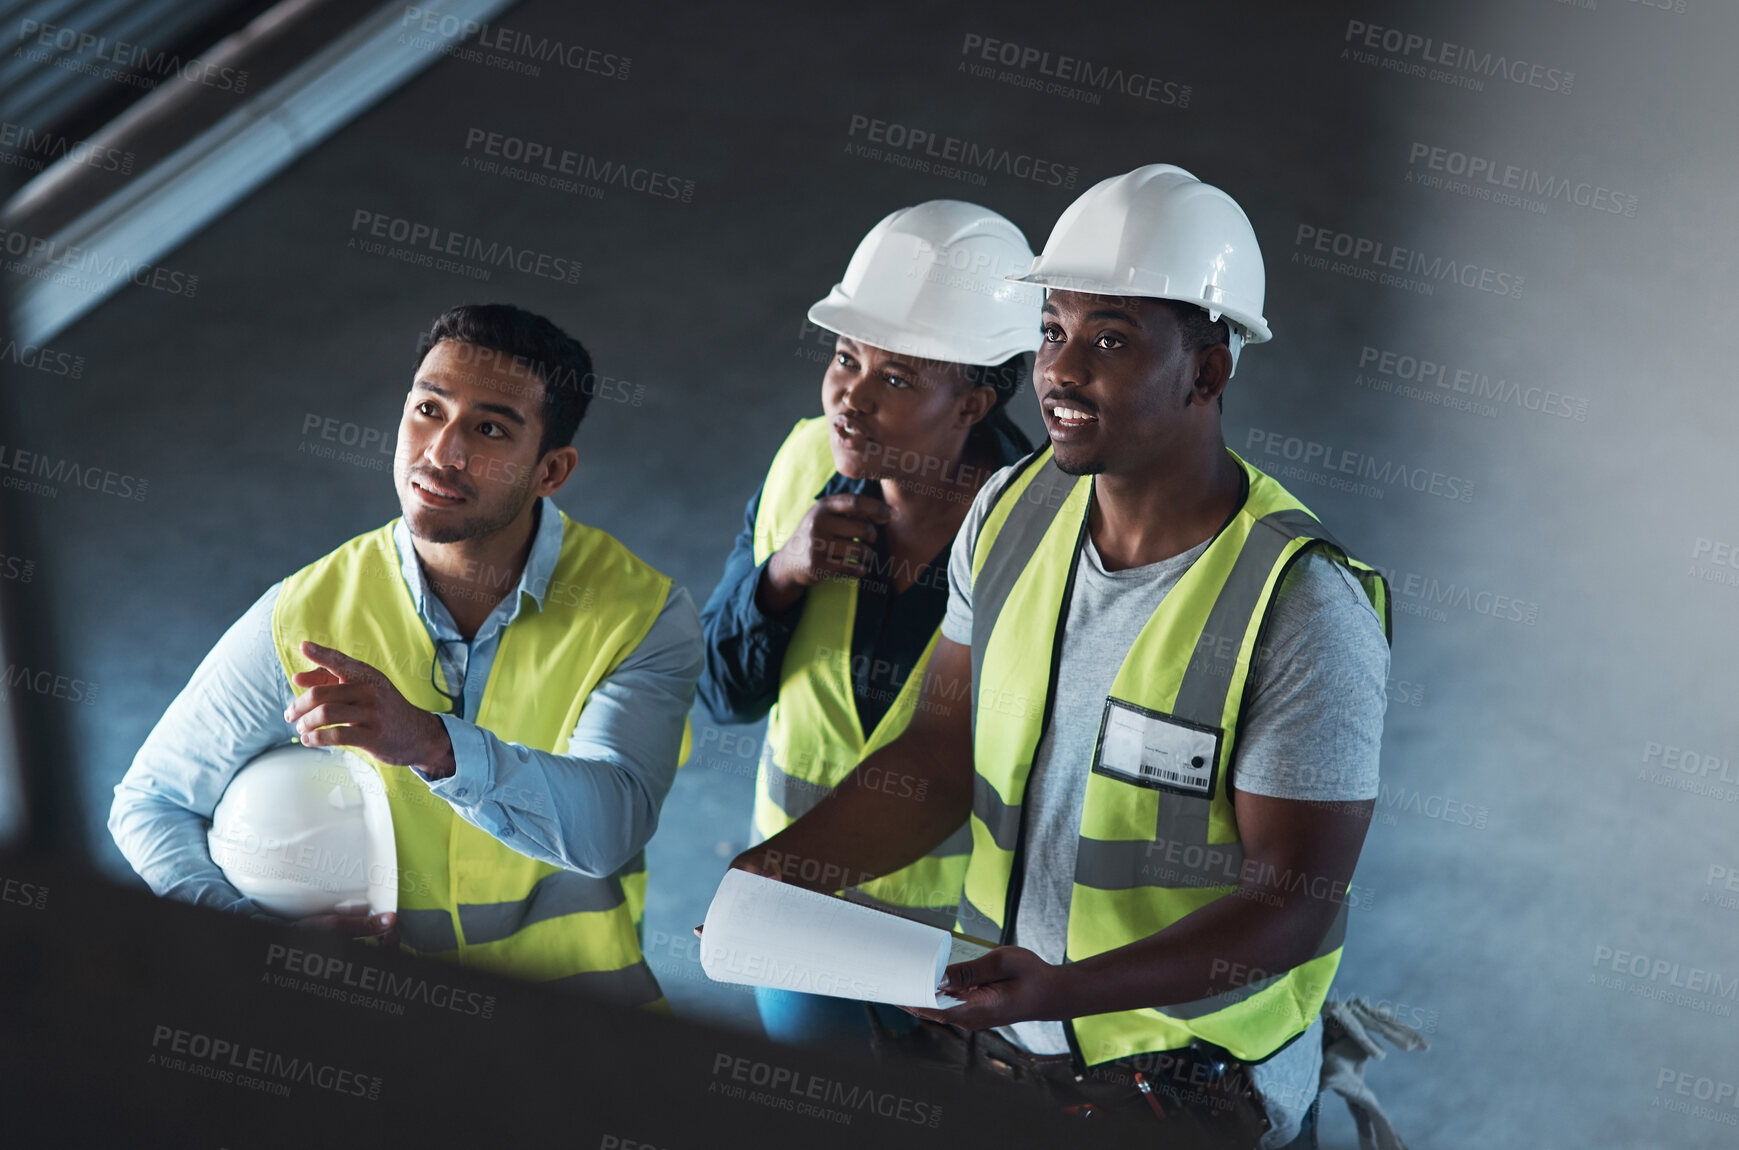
{"points": [[1147, 854], [463, 894], [814, 739]]}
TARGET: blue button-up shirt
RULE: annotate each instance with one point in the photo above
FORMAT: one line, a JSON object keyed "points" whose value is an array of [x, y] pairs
{"points": [[588, 809]]}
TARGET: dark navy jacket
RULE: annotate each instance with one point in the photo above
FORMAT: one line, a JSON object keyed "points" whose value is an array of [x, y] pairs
{"points": [[745, 647]]}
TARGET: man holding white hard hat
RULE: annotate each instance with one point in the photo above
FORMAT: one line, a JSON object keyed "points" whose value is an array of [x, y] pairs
{"points": [[305, 833], [1177, 679], [518, 682]]}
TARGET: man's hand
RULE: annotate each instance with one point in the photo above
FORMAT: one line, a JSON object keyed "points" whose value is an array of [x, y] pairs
{"points": [[1008, 984], [832, 541], [754, 860], [383, 926], [861, 830], [348, 703]]}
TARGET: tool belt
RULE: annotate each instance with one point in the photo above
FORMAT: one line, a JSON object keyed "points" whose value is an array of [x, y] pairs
{"points": [[1199, 1096]]}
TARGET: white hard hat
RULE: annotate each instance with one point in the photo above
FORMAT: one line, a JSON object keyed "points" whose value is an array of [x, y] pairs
{"points": [[307, 830], [1160, 233], [932, 280]]}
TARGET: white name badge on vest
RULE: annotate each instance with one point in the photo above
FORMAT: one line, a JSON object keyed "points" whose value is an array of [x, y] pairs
{"points": [[1151, 749]]}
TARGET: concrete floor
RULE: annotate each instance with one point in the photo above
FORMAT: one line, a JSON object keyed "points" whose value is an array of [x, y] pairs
{"points": [[1532, 827]]}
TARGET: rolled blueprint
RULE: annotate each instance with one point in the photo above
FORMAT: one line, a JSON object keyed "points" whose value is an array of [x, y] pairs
{"points": [[760, 932]]}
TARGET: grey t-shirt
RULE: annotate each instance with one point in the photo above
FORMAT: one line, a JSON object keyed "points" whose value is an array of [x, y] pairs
{"points": [[1311, 732]]}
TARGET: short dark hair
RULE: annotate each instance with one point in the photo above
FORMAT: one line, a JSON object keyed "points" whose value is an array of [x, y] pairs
{"points": [[1195, 328], [1007, 378], [1197, 331], [537, 347]]}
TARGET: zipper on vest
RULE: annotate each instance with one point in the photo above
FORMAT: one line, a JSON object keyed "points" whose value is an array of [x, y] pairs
{"points": [[1017, 867]]}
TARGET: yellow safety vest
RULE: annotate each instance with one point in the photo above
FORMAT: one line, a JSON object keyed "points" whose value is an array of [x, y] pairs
{"points": [[463, 894], [814, 739], [1154, 844]]}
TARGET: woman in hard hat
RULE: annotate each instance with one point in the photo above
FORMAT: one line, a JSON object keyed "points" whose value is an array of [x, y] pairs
{"points": [[829, 604]]}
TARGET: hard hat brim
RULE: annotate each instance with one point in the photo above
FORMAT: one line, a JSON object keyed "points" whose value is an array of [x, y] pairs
{"points": [[841, 318], [1256, 329]]}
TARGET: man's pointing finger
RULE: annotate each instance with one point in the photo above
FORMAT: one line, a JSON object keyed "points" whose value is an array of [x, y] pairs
{"points": [[335, 660]]}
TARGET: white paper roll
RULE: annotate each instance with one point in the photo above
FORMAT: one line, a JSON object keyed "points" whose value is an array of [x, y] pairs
{"points": [[760, 932]]}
